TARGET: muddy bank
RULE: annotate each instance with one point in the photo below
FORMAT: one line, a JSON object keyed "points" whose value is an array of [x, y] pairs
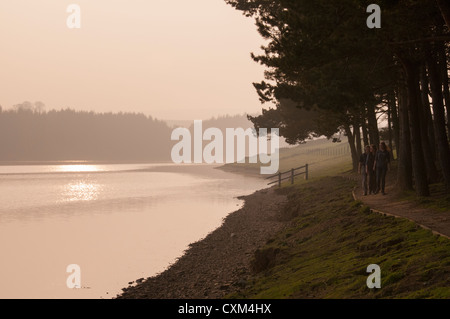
{"points": [[221, 262]]}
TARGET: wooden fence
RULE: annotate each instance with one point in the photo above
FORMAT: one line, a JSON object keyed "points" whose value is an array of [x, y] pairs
{"points": [[281, 176]]}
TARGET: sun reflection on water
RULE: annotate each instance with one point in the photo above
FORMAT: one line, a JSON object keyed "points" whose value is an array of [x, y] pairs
{"points": [[81, 191]]}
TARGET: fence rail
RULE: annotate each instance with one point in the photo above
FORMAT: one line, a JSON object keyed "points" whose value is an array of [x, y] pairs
{"points": [[292, 174]]}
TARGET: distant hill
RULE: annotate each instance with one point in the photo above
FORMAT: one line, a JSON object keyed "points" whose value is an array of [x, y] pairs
{"points": [[228, 121], [31, 134], [232, 121], [221, 122]]}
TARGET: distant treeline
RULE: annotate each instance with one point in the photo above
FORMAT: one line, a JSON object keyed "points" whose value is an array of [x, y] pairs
{"points": [[35, 135]]}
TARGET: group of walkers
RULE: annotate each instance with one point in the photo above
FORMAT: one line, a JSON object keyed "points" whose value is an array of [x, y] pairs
{"points": [[373, 166]]}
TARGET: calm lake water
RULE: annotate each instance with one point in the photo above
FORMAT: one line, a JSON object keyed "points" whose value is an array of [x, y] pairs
{"points": [[117, 222]]}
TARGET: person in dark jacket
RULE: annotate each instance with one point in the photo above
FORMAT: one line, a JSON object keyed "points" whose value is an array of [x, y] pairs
{"points": [[381, 166], [362, 169], [370, 171]]}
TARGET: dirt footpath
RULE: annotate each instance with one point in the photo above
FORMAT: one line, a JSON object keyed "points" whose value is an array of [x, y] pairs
{"points": [[435, 220]]}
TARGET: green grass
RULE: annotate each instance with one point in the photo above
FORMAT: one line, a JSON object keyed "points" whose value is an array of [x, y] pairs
{"points": [[439, 199], [330, 242], [323, 157]]}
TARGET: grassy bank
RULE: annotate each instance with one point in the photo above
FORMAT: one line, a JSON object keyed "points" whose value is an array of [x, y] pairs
{"points": [[330, 242], [324, 158], [439, 199]]}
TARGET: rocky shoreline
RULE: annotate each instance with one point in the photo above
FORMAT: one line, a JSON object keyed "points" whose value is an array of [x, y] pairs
{"points": [[220, 263]]}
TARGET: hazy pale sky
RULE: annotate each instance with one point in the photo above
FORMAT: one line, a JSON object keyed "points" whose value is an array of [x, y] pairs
{"points": [[174, 60]]}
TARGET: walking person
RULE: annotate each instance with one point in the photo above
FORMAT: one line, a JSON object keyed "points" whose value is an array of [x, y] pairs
{"points": [[372, 182], [381, 166], [362, 169]]}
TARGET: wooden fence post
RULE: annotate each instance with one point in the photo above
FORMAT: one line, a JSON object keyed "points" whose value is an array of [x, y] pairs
{"points": [[292, 176], [279, 179], [306, 171]]}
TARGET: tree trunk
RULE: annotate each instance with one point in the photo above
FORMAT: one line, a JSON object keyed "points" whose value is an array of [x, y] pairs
{"points": [[389, 114], [373, 125], [395, 124], [351, 142], [404, 167], [418, 162], [444, 6], [425, 93], [444, 72], [357, 133], [439, 118], [365, 134], [432, 172]]}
